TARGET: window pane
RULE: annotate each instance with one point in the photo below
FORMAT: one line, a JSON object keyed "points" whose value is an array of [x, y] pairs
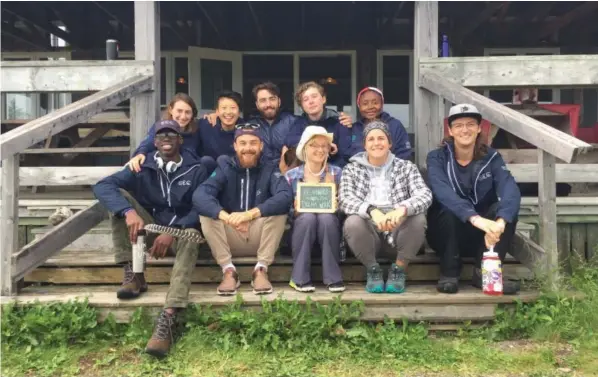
{"points": [[216, 76], [275, 68], [395, 83], [336, 68], [19, 105], [181, 75], [163, 81]]}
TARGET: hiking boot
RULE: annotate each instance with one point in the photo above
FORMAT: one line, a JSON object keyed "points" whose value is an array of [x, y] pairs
{"points": [[447, 285], [396, 279], [307, 287], [260, 283], [336, 287], [509, 287], [375, 280], [133, 284], [163, 336], [230, 283]]}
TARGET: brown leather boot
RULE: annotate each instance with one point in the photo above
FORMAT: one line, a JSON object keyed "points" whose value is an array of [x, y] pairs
{"points": [[163, 337], [260, 283], [133, 284], [230, 283]]}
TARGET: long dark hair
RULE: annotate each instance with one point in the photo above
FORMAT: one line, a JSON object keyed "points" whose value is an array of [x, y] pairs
{"points": [[480, 149], [184, 97]]}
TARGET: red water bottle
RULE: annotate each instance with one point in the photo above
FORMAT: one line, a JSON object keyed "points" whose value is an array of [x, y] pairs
{"points": [[491, 273]]}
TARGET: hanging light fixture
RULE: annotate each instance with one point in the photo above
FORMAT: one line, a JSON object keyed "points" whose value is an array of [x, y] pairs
{"points": [[329, 81], [181, 80]]}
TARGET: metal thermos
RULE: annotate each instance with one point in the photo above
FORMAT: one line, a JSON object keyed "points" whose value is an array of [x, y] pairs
{"points": [[139, 253], [111, 49]]}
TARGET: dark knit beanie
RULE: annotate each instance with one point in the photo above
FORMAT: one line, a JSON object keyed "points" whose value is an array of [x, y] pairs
{"points": [[376, 125]]}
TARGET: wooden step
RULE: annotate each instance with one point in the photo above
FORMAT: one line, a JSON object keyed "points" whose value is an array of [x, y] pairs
{"points": [[93, 267], [420, 302]]}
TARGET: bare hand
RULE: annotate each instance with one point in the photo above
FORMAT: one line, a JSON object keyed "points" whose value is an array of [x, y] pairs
{"points": [[161, 245], [345, 120], [243, 227], [212, 118], [379, 220], [397, 217], [136, 162], [237, 218], [134, 224], [490, 239], [333, 149]]}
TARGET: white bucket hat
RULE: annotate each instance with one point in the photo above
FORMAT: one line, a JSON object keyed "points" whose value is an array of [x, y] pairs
{"points": [[309, 133]]}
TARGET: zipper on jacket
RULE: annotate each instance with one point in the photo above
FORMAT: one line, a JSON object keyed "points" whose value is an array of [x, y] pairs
{"points": [[475, 184], [242, 191], [247, 192]]}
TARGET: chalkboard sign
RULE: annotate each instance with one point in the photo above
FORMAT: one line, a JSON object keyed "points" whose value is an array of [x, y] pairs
{"points": [[316, 197]]}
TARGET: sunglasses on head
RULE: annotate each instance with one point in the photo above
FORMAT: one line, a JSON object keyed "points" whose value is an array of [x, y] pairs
{"points": [[247, 126]]}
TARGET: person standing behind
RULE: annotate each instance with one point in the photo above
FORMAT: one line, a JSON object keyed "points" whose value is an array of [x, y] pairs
{"points": [[476, 200], [243, 209], [385, 198], [370, 102], [309, 229]]}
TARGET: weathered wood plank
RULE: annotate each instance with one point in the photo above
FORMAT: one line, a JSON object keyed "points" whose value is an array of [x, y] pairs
{"points": [[547, 204], [426, 105], [547, 138], [19, 139], [564, 246], [9, 222], [145, 107], [568, 173], [37, 252], [529, 253], [115, 150], [592, 241], [546, 71], [112, 117], [530, 156], [69, 75], [578, 245]]}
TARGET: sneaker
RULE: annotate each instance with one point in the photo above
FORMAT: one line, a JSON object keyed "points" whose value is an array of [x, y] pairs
{"points": [[307, 287], [230, 283], [396, 279], [260, 283], [336, 287], [133, 284], [509, 287], [375, 280], [447, 285], [163, 336]]}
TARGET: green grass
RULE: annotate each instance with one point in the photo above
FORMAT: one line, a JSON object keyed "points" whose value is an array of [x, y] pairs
{"points": [[555, 336]]}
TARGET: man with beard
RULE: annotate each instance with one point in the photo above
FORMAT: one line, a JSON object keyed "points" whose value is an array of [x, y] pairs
{"points": [[160, 193], [243, 209]]}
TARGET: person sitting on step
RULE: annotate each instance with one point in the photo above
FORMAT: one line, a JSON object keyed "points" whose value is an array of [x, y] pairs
{"points": [[161, 193], [385, 199], [309, 229], [476, 200], [243, 210]]}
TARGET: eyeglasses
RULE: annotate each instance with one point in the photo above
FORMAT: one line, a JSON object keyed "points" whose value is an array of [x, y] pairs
{"points": [[166, 135], [247, 126]]}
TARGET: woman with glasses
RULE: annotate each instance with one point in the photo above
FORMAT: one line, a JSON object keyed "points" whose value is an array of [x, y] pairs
{"points": [[183, 110], [476, 200], [310, 229]]}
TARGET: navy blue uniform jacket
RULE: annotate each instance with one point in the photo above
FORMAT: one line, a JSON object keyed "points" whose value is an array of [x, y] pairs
{"points": [[401, 146], [235, 189], [167, 197], [274, 134], [492, 182]]}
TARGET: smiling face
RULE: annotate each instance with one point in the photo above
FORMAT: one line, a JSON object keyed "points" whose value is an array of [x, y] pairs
{"points": [[181, 112], [465, 131], [248, 149], [377, 145], [370, 105], [168, 144], [317, 149], [267, 104], [312, 102], [228, 111]]}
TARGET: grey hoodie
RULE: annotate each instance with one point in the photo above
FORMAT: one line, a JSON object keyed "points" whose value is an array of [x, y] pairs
{"points": [[380, 181]]}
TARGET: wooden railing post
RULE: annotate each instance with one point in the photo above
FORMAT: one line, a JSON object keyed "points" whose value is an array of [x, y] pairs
{"points": [[9, 226], [547, 209]]}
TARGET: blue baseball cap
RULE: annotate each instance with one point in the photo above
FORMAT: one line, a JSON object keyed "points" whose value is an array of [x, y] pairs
{"points": [[169, 124]]}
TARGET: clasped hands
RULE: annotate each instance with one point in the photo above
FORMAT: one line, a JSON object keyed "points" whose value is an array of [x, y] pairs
{"points": [[238, 220], [492, 229], [389, 221]]}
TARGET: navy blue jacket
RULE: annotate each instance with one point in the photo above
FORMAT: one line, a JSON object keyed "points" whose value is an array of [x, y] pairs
{"points": [[492, 183], [214, 141], [329, 120], [401, 146], [191, 142], [167, 197], [235, 189], [275, 134]]}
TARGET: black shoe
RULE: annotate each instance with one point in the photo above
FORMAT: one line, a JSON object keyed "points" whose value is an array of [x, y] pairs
{"points": [[447, 285], [509, 287]]}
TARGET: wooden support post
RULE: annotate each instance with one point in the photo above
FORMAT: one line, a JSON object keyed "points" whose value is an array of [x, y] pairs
{"points": [[9, 226], [426, 105], [547, 209], [145, 107]]}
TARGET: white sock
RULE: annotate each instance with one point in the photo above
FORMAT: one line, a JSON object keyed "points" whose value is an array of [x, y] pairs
{"points": [[260, 264], [229, 265]]}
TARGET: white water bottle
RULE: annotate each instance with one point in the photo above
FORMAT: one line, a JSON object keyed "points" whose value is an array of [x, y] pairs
{"points": [[139, 253], [491, 273]]}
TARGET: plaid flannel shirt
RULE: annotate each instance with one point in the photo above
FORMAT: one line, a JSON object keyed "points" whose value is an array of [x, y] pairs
{"points": [[408, 189]]}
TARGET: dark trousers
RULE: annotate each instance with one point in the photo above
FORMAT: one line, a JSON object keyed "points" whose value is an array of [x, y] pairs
{"points": [[453, 239]]}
